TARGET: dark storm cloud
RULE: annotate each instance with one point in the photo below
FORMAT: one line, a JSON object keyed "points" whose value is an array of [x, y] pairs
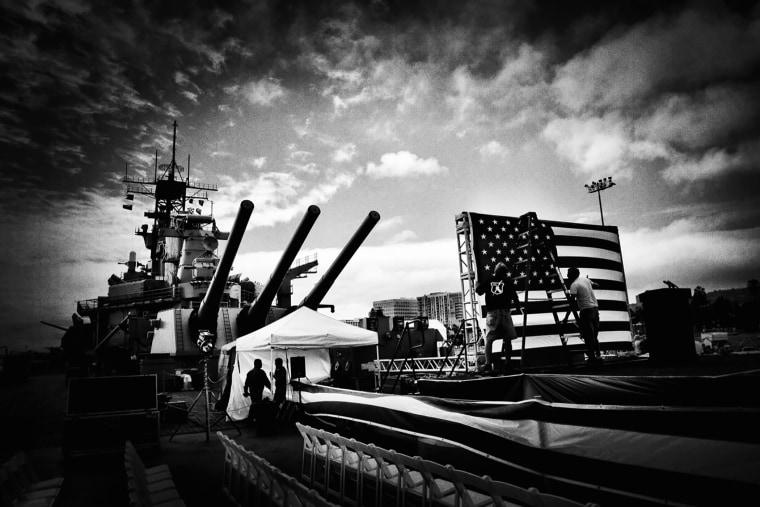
{"points": [[86, 85], [78, 79]]}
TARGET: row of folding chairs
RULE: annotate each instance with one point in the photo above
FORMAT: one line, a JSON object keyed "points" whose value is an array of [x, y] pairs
{"points": [[251, 480], [149, 486], [356, 473], [20, 486]]}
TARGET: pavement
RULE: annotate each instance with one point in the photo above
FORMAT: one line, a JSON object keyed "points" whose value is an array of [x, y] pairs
{"points": [[33, 411]]}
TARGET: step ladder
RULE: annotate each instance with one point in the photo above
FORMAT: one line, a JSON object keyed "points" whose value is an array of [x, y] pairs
{"points": [[533, 246]]}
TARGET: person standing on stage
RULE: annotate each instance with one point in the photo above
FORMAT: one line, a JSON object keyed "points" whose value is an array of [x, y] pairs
{"points": [[500, 294], [280, 381], [582, 292], [255, 381]]}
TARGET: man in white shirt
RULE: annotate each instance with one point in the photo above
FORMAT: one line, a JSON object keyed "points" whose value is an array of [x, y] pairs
{"points": [[582, 290]]}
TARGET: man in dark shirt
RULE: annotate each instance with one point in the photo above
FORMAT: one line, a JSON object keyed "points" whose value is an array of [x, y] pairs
{"points": [[255, 381], [280, 381], [500, 294]]}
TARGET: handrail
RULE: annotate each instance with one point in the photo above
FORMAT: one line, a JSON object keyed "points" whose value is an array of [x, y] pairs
{"points": [[465, 346], [406, 332]]}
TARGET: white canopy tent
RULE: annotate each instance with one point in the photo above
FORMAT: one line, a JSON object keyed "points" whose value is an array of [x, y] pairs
{"points": [[303, 333]]}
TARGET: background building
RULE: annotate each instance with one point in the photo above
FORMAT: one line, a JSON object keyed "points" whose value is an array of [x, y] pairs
{"points": [[443, 306], [407, 308]]}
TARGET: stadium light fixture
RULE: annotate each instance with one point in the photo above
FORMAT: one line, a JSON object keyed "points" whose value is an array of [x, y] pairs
{"points": [[598, 186]]}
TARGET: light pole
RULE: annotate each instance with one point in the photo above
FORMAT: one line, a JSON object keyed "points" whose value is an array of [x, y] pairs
{"points": [[598, 186]]}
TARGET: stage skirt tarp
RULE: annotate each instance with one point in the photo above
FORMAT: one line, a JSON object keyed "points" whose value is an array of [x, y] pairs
{"points": [[739, 390], [612, 446]]}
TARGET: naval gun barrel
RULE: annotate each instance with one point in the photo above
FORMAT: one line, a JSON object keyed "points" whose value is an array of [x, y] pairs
{"points": [[209, 308], [314, 298], [258, 311]]}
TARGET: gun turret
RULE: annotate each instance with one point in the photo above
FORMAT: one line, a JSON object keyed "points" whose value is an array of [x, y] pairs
{"points": [[205, 318], [255, 317], [314, 298]]}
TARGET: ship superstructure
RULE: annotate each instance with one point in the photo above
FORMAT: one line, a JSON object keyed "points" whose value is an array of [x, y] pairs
{"points": [[183, 271], [157, 309]]}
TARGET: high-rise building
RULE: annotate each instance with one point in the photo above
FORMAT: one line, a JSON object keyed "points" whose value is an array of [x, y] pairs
{"points": [[353, 322], [443, 306], [399, 307]]}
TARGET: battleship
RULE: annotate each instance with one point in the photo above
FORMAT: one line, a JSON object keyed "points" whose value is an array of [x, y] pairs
{"points": [[155, 313]]}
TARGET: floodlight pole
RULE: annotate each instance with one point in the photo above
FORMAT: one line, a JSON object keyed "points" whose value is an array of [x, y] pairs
{"points": [[598, 186]]}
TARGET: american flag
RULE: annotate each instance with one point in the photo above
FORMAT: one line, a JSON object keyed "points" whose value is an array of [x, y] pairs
{"points": [[505, 239], [595, 250]]}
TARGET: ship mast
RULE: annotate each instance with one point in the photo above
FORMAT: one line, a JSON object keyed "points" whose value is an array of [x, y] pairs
{"points": [[170, 193]]}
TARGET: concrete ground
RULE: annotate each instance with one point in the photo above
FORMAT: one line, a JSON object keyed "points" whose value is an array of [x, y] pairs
{"points": [[33, 412]]}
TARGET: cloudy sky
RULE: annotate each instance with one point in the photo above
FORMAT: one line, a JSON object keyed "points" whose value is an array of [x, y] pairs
{"points": [[417, 110]]}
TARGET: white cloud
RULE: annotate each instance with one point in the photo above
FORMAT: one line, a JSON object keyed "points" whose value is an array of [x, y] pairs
{"points": [[688, 254], [709, 165], [414, 268], [493, 149], [698, 121], [192, 97], [181, 78], [390, 223], [345, 153], [278, 196], [513, 97], [658, 54], [592, 144], [257, 162], [402, 237], [263, 92], [299, 155], [404, 164]]}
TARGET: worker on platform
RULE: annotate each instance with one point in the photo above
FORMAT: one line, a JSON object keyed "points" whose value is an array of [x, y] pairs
{"points": [[582, 292], [500, 295]]}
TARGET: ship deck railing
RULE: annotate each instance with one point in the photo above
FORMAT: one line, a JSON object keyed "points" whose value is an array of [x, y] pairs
{"points": [[165, 294]]}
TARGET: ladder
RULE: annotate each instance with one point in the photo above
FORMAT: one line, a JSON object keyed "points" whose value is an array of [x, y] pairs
{"points": [[178, 330], [227, 326], [532, 246]]}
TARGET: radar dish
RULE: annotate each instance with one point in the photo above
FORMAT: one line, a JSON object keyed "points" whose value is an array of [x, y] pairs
{"points": [[210, 243]]}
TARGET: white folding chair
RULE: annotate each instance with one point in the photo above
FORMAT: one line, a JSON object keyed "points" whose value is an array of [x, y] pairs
{"points": [[369, 470], [413, 486], [550, 500], [389, 476], [308, 458], [334, 471], [439, 481], [482, 490]]}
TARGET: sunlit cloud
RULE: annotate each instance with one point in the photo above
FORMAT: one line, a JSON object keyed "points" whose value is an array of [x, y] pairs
{"points": [[345, 153], [493, 149], [263, 92], [403, 164], [687, 254]]}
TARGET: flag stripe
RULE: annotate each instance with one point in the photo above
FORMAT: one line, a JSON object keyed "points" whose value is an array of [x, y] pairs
{"points": [[588, 262], [601, 243], [545, 306], [537, 319], [598, 253], [595, 250]]}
